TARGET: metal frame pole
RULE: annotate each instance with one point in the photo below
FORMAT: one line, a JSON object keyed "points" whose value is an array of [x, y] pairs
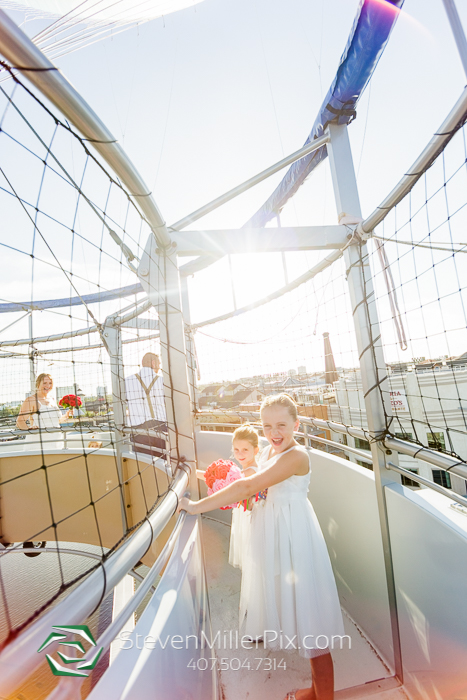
{"points": [[192, 372], [159, 275], [32, 373], [112, 338], [189, 341], [372, 363], [311, 147], [457, 30]]}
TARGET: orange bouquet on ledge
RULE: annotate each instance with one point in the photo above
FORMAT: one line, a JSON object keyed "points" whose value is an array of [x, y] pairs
{"points": [[220, 474]]}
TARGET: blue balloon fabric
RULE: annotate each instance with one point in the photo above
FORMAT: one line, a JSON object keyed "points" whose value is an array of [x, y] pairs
{"points": [[370, 33]]}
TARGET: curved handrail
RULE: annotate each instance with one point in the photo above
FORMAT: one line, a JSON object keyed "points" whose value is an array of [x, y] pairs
{"points": [[178, 607], [21, 653], [426, 482], [411, 449], [345, 448], [107, 637]]}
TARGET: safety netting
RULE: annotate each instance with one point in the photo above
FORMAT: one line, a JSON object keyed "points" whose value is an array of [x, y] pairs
{"points": [[81, 469], [304, 343]]}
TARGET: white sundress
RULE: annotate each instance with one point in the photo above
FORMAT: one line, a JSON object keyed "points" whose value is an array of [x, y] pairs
{"points": [[47, 419], [48, 415], [239, 533], [288, 585]]}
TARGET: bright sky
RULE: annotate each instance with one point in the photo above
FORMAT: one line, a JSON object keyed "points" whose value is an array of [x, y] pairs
{"points": [[207, 97]]}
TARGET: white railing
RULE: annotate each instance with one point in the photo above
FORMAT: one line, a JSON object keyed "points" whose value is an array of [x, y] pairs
{"points": [[22, 654], [425, 454], [26, 439]]}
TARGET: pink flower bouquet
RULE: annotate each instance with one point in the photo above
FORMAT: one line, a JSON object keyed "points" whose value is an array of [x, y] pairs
{"points": [[220, 474]]}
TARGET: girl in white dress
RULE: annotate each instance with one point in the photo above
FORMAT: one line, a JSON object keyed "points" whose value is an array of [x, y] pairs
{"points": [[40, 411], [289, 594], [245, 447]]}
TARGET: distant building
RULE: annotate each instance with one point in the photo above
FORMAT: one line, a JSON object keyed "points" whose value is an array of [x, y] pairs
{"points": [[211, 390], [292, 372], [95, 404], [231, 389], [422, 397], [302, 370], [61, 391], [283, 385], [101, 392], [227, 396]]}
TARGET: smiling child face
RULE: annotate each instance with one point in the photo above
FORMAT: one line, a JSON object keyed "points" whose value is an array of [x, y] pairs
{"points": [[244, 452], [278, 427]]}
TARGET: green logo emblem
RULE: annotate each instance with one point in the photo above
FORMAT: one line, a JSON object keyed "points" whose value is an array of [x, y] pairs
{"points": [[83, 664]]}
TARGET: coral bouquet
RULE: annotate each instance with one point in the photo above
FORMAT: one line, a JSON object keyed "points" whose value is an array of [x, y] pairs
{"points": [[220, 474]]}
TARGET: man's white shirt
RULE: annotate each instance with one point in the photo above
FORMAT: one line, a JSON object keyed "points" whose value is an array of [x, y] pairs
{"points": [[138, 410]]}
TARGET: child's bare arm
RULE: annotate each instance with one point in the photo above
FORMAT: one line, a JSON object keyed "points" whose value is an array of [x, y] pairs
{"points": [[290, 464], [295, 462]]}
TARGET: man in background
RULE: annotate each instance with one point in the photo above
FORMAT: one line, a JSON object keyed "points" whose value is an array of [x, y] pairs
{"points": [[146, 406]]}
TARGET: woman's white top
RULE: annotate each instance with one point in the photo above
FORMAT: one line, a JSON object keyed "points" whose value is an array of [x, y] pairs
{"points": [[48, 415]]}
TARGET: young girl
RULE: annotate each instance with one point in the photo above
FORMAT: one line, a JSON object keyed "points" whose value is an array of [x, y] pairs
{"points": [[288, 593], [245, 448]]}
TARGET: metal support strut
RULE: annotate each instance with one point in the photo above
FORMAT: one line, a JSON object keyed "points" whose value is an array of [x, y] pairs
{"points": [[457, 30], [112, 338], [372, 363], [159, 275]]}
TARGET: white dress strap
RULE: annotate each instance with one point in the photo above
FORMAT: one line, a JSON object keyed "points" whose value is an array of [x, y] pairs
{"points": [[48, 414], [279, 454]]}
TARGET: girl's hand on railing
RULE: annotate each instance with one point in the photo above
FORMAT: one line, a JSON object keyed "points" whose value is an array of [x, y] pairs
{"points": [[185, 504]]}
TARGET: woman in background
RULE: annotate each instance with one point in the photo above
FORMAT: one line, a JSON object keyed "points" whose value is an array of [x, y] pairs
{"points": [[40, 410]]}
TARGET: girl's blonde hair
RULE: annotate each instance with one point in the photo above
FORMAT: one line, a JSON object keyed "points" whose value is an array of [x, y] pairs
{"points": [[246, 432], [283, 400], [41, 377]]}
